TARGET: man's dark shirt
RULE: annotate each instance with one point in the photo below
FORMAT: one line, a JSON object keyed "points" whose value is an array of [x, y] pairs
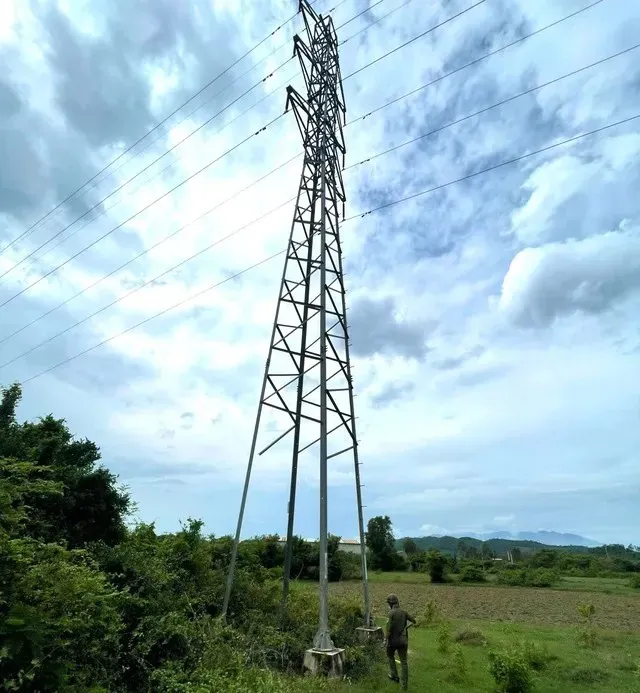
{"points": [[396, 627]]}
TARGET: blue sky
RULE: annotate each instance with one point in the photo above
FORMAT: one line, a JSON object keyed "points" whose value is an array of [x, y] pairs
{"points": [[496, 342]]}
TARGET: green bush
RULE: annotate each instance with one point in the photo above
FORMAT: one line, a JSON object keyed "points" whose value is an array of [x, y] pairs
{"points": [[472, 573], [635, 581], [510, 671], [528, 577]]}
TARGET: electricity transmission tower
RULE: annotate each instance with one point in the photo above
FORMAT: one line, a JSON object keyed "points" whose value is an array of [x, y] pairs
{"points": [[307, 390]]}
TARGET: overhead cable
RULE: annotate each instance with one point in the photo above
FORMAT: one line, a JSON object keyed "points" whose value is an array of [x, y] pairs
{"points": [[489, 108], [468, 176], [159, 243], [351, 218], [153, 129], [146, 168], [144, 209], [474, 62]]}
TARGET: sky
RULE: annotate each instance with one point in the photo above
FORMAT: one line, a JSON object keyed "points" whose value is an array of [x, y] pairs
{"points": [[494, 321]]}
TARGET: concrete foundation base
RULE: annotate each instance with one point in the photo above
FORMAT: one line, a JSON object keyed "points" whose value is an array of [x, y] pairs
{"points": [[373, 634], [330, 663]]}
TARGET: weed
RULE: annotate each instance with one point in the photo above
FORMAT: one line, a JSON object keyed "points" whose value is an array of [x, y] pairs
{"points": [[510, 671], [459, 671], [537, 656], [443, 637], [587, 631], [586, 675], [431, 613]]}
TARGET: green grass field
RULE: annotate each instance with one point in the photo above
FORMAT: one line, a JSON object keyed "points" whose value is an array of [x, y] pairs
{"points": [[507, 616]]}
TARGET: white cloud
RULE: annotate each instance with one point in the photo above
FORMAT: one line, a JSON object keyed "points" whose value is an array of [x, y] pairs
{"points": [[588, 275]]}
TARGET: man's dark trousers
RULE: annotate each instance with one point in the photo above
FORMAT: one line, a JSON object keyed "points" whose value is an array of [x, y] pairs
{"points": [[404, 669]]}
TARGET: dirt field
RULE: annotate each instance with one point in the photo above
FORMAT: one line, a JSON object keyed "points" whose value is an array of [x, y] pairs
{"points": [[513, 604]]}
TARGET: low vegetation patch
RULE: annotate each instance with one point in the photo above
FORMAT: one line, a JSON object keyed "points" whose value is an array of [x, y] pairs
{"points": [[470, 636]]}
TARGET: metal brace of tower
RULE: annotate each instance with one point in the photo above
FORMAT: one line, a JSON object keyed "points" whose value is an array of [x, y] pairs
{"points": [[307, 389]]}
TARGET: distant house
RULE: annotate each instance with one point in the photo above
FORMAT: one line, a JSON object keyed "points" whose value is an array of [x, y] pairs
{"points": [[346, 545]]}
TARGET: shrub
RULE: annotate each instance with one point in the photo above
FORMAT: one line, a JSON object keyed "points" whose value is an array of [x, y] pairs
{"points": [[436, 564], [443, 637], [471, 573], [587, 631], [459, 672], [635, 581], [532, 577], [537, 656], [470, 636], [510, 671]]}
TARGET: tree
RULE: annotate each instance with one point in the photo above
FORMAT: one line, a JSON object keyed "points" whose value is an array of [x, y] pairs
{"points": [[409, 546], [91, 507], [381, 543], [436, 564], [461, 548]]}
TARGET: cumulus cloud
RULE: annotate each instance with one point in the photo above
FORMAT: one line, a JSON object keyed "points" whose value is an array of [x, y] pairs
{"points": [[588, 275]]}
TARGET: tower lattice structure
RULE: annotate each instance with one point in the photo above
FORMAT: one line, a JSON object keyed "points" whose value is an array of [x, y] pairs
{"points": [[307, 388]]}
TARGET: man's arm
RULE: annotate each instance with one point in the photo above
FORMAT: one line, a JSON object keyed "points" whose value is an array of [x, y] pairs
{"points": [[411, 620]]}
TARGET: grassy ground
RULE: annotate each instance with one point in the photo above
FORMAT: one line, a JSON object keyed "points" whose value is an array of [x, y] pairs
{"points": [[610, 667], [506, 616], [556, 607]]}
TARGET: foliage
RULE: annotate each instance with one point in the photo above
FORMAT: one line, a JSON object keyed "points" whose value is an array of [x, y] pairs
{"points": [[510, 671], [443, 637], [587, 632], [381, 544], [635, 582], [459, 671], [472, 573], [436, 564], [528, 577], [409, 546], [89, 605]]}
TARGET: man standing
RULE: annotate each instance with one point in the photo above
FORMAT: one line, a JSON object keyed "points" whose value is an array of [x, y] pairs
{"points": [[398, 640]]}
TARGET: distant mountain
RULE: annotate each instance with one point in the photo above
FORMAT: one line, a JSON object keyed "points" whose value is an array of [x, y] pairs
{"points": [[542, 537], [501, 542]]}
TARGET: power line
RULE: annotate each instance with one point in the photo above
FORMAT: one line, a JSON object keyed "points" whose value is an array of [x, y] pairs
{"points": [[491, 168], [351, 218], [153, 129], [156, 315], [367, 9], [156, 245], [195, 110], [285, 163], [495, 105], [154, 176], [475, 62], [144, 209], [146, 168], [366, 115], [415, 38], [120, 187], [149, 282], [384, 16]]}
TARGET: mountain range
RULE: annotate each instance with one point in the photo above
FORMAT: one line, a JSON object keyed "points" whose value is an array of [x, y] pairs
{"points": [[541, 536]]}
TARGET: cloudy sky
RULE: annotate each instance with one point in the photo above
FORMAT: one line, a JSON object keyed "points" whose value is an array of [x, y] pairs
{"points": [[495, 331]]}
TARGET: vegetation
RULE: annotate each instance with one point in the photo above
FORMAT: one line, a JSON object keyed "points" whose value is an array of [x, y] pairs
{"points": [[91, 604], [88, 604]]}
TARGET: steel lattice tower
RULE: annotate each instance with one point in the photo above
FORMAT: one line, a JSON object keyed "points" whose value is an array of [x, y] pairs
{"points": [[307, 386]]}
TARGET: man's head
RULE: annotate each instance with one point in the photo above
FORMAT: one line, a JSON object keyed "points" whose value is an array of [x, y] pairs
{"points": [[392, 600]]}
